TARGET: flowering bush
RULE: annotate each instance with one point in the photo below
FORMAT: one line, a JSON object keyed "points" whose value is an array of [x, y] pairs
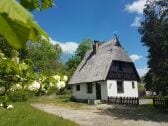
{"points": [[12, 76], [34, 86], [43, 84], [65, 78]]}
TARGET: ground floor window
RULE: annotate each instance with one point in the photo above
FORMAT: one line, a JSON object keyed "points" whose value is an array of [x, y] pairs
{"points": [[89, 88], [133, 85], [120, 87], [77, 87]]}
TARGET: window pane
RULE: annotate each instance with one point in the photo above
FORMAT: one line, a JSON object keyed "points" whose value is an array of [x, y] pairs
{"points": [[133, 85], [78, 87], [120, 87]]}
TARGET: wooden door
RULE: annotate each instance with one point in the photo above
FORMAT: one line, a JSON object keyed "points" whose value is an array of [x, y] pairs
{"points": [[98, 90]]}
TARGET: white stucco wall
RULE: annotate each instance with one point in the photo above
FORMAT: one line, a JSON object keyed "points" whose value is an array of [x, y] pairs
{"points": [[82, 94], [108, 88], [103, 90], [128, 90]]}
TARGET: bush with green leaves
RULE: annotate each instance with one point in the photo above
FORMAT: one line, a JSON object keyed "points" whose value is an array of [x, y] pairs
{"points": [[12, 75], [47, 84], [18, 96]]}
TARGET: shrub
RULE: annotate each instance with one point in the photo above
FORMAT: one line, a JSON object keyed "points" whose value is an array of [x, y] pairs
{"points": [[19, 96], [3, 100]]}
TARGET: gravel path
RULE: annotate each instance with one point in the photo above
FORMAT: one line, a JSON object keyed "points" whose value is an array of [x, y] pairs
{"points": [[95, 117]]}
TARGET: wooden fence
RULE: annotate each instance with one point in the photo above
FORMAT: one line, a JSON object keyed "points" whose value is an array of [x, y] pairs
{"points": [[160, 103], [128, 101]]}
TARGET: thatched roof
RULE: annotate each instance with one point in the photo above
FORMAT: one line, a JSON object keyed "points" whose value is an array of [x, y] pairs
{"points": [[95, 67]]}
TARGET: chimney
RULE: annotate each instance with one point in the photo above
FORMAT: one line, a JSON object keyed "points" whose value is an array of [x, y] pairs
{"points": [[95, 46]]}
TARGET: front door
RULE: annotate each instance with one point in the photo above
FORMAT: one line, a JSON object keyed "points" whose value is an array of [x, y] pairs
{"points": [[98, 90]]}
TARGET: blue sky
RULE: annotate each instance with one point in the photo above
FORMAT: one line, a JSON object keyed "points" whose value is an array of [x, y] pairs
{"points": [[71, 21]]}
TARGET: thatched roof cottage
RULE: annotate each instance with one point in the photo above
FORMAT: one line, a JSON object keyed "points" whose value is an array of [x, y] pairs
{"points": [[106, 70]]}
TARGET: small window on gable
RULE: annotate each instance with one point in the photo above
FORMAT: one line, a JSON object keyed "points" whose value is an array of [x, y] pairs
{"points": [[133, 85], [77, 87], [120, 87], [89, 88]]}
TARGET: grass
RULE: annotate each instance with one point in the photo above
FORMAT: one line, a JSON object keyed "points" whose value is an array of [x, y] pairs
{"points": [[61, 100], [25, 115]]}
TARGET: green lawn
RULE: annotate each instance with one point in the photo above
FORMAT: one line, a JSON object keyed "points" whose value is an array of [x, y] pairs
{"points": [[59, 100], [25, 115]]}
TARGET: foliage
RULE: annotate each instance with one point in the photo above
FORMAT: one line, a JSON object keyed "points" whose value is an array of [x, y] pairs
{"points": [[25, 115], [154, 32], [17, 24], [18, 96], [84, 46], [47, 84], [44, 56], [5, 47], [74, 61], [3, 101], [13, 74], [36, 4], [141, 89]]}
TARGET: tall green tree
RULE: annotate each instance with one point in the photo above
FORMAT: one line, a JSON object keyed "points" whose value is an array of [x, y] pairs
{"points": [[74, 61], [154, 32], [45, 56]]}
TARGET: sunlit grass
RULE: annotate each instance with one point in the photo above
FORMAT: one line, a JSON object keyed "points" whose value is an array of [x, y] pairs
{"points": [[59, 100], [24, 114]]}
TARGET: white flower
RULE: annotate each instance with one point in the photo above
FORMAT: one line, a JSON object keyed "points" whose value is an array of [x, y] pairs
{"points": [[34, 86], [17, 76], [18, 86], [1, 105], [65, 78], [2, 55], [4, 58], [15, 59], [62, 84], [58, 85], [51, 84], [57, 77], [10, 107]]}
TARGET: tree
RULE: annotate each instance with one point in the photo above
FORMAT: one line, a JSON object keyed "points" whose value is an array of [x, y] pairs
{"points": [[154, 32], [5, 47], [45, 56], [74, 61], [84, 46], [17, 24], [36, 4]]}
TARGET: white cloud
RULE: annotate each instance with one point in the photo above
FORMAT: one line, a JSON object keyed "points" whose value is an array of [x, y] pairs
{"points": [[67, 47], [135, 57], [136, 7], [136, 22], [142, 71]]}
